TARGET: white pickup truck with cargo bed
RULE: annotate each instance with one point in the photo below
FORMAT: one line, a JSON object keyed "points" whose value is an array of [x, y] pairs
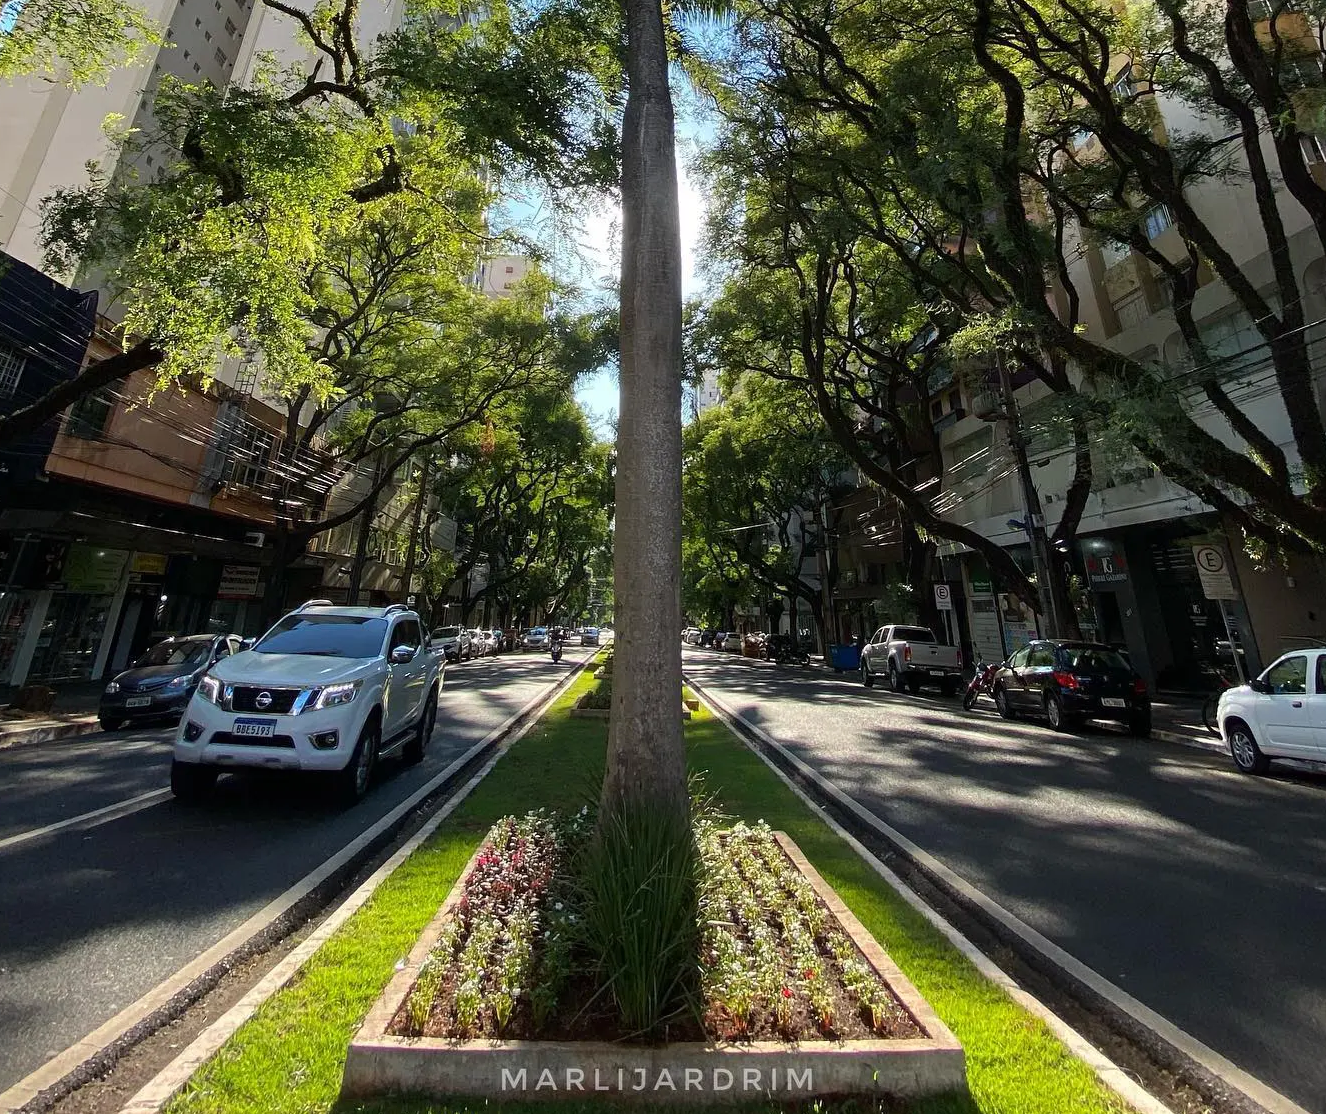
{"points": [[328, 689], [909, 657]]}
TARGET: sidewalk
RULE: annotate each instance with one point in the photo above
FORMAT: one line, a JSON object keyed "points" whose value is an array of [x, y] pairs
{"points": [[74, 713]]}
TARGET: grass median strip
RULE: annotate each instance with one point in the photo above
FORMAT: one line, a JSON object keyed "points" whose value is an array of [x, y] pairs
{"points": [[289, 1057]]}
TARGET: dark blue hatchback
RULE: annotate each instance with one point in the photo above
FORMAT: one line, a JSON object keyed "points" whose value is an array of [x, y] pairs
{"points": [[1068, 682], [162, 681]]}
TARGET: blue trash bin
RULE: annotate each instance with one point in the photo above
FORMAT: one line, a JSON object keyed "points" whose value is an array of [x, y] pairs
{"points": [[844, 658]]}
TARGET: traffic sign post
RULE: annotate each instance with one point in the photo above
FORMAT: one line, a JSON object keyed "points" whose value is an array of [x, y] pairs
{"points": [[943, 597], [1218, 584]]}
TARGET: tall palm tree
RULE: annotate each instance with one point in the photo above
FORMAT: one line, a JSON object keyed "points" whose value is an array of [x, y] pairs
{"points": [[646, 766]]}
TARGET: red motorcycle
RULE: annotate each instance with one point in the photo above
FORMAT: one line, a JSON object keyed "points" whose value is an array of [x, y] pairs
{"points": [[983, 682]]}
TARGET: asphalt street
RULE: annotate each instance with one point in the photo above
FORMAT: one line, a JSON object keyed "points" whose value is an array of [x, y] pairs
{"points": [[94, 915], [1198, 890]]}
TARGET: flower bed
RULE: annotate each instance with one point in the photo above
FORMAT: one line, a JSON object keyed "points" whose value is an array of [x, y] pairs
{"points": [[495, 999]]}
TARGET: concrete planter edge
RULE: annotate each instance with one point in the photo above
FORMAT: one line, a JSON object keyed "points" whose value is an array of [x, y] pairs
{"points": [[682, 1073]]}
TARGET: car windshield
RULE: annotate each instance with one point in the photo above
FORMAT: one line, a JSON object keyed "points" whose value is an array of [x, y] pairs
{"points": [[447, 632], [591, 630], [913, 634], [539, 630], [332, 636], [193, 652], [1094, 658]]}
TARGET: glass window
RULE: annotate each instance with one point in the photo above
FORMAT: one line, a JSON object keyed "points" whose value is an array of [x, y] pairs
{"points": [[1321, 674], [1156, 220], [1019, 660], [332, 636], [223, 649], [407, 634], [11, 369], [1092, 658], [879, 636], [1298, 73], [193, 651], [1041, 656], [89, 416], [447, 632], [1289, 676], [1123, 87], [913, 634]]}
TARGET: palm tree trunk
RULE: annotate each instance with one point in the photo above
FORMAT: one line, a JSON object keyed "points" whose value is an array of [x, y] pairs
{"points": [[646, 764]]}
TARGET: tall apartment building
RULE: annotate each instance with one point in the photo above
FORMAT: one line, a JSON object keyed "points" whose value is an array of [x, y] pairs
{"points": [[50, 132]]}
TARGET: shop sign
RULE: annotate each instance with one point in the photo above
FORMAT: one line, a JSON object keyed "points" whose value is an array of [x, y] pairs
{"points": [[1213, 570], [147, 568], [1106, 568], [93, 570], [1019, 622], [238, 582], [981, 587]]}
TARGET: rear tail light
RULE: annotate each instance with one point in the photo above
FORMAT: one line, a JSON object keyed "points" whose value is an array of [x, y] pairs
{"points": [[1065, 680], [1139, 687], [906, 653]]}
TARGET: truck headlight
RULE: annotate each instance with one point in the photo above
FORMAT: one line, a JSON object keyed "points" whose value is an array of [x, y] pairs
{"points": [[334, 695], [209, 688]]}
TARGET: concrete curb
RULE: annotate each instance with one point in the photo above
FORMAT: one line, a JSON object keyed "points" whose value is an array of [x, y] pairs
{"points": [[46, 732], [1239, 1083], [97, 1052], [173, 1078]]}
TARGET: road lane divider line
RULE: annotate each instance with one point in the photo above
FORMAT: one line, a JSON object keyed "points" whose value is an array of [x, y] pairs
{"points": [[94, 1054], [120, 808], [1221, 1069]]}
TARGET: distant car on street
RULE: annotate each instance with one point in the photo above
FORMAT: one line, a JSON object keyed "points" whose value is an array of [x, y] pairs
{"points": [[454, 642], [909, 657], [478, 643], [691, 636], [536, 638], [1280, 714], [163, 680], [1068, 682], [589, 636]]}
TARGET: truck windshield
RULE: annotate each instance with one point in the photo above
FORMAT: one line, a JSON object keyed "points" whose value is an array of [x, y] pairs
{"points": [[447, 632], [913, 634], [331, 636]]}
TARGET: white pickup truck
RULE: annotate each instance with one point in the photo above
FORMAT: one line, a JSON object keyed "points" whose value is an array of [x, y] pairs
{"points": [[327, 689], [909, 657]]}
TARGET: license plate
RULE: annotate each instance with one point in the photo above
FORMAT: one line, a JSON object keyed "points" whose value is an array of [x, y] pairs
{"points": [[1112, 702], [256, 728], [936, 673], [138, 702]]}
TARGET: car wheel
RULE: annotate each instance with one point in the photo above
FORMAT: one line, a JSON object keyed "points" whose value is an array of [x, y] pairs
{"points": [[352, 782], [1248, 756], [895, 680], [1140, 724], [1002, 705], [111, 723], [413, 752], [1054, 712], [191, 782], [867, 678]]}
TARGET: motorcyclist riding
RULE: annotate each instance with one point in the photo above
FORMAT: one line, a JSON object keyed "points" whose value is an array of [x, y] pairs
{"points": [[555, 643]]}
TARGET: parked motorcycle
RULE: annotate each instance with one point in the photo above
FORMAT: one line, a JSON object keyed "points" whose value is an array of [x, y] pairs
{"points": [[983, 682], [782, 649]]}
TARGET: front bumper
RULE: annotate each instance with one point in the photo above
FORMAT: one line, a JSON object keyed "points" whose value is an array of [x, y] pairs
{"points": [[159, 703], [288, 748]]}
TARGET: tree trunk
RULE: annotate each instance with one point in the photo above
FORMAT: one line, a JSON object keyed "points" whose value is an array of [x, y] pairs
{"points": [[646, 766]]}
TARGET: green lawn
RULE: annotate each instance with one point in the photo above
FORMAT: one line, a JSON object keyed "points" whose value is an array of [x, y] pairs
{"points": [[288, 1058]]}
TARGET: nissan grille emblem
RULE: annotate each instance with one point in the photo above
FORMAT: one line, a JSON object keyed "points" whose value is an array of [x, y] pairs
{"points": [[263, 700]]}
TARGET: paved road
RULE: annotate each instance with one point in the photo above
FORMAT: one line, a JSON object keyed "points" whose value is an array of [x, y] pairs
{"points": [[93, 916], [1199, 891]]}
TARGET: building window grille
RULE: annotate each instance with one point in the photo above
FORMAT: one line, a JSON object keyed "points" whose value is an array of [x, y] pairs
{"points": [[251, 455], [11, 369], [1156, 220]]}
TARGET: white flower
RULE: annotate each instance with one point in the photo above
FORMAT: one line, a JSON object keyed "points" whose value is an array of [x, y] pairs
{"points": [[557, 905]]}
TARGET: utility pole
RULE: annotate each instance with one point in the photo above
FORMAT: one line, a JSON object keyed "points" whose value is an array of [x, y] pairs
{"points": [[829, 625], [1031, 503], [408, 575]]}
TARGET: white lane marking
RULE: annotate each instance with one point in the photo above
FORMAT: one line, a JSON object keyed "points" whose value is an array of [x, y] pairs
{"points": [[121, 808], [1218, 1065]]}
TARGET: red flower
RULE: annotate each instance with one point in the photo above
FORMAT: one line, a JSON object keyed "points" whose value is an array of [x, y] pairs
{"points": [[808, 973], [787, 993]]}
